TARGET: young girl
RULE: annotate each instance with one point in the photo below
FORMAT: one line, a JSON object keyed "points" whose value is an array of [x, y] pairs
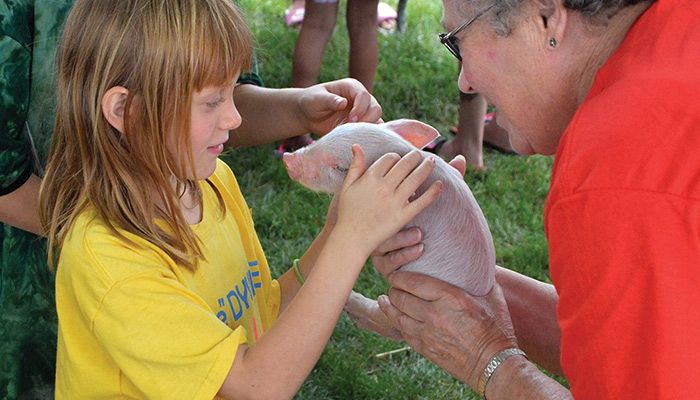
{"points": [[162, 288]]}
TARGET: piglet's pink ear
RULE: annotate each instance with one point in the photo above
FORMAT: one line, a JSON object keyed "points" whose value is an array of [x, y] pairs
{"points": [[417, 133]]}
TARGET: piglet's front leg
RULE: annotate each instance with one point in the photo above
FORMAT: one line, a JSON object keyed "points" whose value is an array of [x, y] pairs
{"points": [[366, 314]]}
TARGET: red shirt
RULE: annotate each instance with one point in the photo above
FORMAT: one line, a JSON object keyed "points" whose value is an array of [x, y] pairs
{"points": [[623, 218]]}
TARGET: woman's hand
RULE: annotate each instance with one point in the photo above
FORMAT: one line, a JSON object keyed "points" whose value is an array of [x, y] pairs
{"points": [[329, 104], [457, 331]]}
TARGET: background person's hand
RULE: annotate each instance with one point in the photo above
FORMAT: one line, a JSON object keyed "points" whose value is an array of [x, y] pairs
{"points": [[456, 331], [327, 105], [397, 251]]}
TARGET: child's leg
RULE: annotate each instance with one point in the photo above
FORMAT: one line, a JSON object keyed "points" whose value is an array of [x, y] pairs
{"points": [[319, 21], [497, 138], [468, 140], [473, 134], [364, 47]]}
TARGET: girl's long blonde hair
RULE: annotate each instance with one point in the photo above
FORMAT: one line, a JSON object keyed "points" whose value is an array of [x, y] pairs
{"points": [[162, 51]]}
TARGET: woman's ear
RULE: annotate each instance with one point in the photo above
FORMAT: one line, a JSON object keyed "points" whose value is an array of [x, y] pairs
{"points": [[554, 18], [114, 106]]}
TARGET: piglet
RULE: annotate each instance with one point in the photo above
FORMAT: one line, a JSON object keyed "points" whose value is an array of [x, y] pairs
{"points": [[458, 247]]}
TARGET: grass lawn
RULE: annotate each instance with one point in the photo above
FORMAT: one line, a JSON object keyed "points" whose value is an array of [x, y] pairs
{"points": [[416, 79]]}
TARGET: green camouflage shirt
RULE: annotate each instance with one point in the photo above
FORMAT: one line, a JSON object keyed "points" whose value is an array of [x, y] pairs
{"points": [[28, 39], [29, 34]]}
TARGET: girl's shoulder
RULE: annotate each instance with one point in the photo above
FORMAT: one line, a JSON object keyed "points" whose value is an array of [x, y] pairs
{"points": [[93, 247]]}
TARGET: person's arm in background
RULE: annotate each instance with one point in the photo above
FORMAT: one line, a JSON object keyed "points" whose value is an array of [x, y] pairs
{"points": [[274, 114], [20, 208], [268, 115], [19, 187]]}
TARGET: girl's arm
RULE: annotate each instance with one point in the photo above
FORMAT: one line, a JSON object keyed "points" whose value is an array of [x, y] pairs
{"points": [[289, 284], [372, 207]]}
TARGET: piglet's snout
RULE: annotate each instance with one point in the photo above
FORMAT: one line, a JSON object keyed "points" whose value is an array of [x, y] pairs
{"points": [[293, 164]]}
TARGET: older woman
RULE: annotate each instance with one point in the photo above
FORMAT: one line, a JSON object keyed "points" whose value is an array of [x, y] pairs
{"points": [[610, 87]]}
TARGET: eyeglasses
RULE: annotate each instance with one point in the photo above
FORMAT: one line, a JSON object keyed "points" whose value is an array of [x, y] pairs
{"points": [[449, 40]]}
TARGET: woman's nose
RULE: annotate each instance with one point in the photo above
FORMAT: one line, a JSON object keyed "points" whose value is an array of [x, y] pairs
{"points": [[463, 84]]}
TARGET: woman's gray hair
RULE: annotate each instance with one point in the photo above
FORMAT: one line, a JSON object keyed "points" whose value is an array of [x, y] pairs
{"points": [[503, 10], [597, 8]]}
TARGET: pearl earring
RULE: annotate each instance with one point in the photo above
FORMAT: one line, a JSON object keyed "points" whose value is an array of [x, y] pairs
{"points": [[553, 42]]}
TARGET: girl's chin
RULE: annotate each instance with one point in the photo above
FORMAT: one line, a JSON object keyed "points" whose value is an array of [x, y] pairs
{"points": [[205, 172]]}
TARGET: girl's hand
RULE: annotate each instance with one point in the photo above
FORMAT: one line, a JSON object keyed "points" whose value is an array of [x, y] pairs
{"points": [[376, 202], [406, 245]]}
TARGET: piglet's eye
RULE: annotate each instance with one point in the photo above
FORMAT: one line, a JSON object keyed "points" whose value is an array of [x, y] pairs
{"points": [[341, 169]]}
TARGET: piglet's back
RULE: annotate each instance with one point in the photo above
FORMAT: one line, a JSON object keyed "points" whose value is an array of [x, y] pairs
{"points": [[458, 244]]}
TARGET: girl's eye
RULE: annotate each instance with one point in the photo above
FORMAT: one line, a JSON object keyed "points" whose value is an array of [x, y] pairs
{"points": [[341, 169], [215, 103]]}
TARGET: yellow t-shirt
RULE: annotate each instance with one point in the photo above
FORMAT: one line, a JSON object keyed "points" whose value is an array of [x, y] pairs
{"points": [[133, 324]]}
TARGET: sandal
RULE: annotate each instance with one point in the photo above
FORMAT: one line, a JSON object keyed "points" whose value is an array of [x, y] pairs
{"points": [[386, 17], [294, 15], [435, 146]]}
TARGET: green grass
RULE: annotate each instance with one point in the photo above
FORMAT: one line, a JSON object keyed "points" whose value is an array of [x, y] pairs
{"points": [[416, 78]]}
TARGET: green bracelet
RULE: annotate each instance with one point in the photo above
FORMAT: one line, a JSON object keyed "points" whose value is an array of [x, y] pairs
{"points": [[295, 267]]}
